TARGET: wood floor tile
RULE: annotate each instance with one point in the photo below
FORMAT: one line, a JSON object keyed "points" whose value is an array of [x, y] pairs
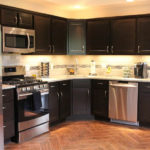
{"points": [[88, 135]]}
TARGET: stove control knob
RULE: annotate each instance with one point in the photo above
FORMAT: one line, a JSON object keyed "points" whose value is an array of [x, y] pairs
{"points": [[24, 89], [28, 88], [41, 86]]}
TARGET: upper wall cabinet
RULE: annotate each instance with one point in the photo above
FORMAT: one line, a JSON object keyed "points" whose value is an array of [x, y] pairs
{"points": [[51, 35], [98, 36], [59, 36], [42, 34], [76, 38], [16, 19], [143, 35], [123, 36]]}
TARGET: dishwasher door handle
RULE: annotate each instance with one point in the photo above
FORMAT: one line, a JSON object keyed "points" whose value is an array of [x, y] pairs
{"points": [[124, 85]]}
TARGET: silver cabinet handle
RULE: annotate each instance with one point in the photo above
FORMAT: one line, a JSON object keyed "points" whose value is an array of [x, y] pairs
{"points": [[3, 95], [53, 48], [100, 83], [83, 48], [148, 87], [4, 126], [20, 19], [112, 49], [50, 48], [105, 93], [64, 84], [138, 49], [88, 91], [16, 20], [61, 94], [52, 86], [3, 108], [58, 95], [107, 49]]}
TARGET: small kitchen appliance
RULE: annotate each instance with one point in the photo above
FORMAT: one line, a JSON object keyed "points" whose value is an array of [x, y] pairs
{"points": [[140, 70]]}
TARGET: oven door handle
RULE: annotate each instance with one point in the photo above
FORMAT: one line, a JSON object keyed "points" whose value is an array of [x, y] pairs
{"points": [[44, 93]]}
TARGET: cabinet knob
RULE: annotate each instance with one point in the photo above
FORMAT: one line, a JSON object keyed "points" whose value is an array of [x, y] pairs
{"points": [[4, 126], [3, 95], [52, 86], [64, 84], [3, 108]]}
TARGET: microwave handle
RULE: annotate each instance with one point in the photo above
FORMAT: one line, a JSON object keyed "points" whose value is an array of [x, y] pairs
{"points": [[28, 40]]}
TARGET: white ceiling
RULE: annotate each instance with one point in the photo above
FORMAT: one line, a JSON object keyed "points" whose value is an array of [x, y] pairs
{"points": [[88, 3]]}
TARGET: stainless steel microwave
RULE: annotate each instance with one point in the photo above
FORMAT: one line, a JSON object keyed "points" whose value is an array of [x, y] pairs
{"points": [[17, 40]]}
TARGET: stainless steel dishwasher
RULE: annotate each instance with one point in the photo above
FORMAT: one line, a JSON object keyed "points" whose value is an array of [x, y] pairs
{"points": [[123, 102]]}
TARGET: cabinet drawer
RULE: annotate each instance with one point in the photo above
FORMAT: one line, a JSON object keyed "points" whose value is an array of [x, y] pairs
{"points": [[81, 83], [9, 129], [100, 84], [8, 111], [8, 95]]}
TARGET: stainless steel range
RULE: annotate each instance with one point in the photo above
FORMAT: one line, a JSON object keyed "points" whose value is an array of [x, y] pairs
{"points": [[31, 103]]}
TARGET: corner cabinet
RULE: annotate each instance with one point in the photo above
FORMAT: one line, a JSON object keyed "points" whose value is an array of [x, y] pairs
{"points": [[97, 36], [76, 37], [99, 99], [143, 35], [123, 36]]}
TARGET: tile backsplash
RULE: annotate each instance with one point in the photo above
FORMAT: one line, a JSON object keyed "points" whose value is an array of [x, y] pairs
{"points": [[58, 64]]}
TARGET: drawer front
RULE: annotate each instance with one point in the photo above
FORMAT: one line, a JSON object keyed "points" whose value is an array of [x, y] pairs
{"points": [[81, 83], [100, 84], [8, 111], [9, 129], [8, 95]]}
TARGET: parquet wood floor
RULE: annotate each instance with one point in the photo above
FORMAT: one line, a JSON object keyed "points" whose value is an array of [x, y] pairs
{"points": [[88, 135]]}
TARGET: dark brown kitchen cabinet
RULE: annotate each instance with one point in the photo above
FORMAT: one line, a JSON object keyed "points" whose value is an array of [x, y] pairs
{"points": [[42, 34], [100, 98], [81, 97], [97, 36], [65, 99], [59, 101], [143, 35], [8, 114], [144, 104], [54, 102], [59, 36], [123, 36], [16, 19]]}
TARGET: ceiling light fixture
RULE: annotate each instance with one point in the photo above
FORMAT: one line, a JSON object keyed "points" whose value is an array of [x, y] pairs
{"points": [[129, 0], [77, 7]]}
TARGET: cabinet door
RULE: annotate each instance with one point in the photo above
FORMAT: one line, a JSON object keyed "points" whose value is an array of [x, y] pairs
{"points": [[143, 35], [54, 102], [144, 103], [59, 36], [81, 97], [65, 99], [123, 36], [42, 34], [100, 98], [97, 36], [25, 20], [9, 17], [76, 38]]}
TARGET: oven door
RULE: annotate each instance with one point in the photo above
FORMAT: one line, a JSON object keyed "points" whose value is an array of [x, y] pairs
{"points": [[28, 109], [17, 40]]}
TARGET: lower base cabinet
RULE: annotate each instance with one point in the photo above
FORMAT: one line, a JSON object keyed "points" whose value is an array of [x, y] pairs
{"points": [[59, 101], [81, 97], [144, 104], [8, 114], [100, 98]]}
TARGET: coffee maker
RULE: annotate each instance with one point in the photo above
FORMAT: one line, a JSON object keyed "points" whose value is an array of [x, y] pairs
{"points": [[140, 70]]}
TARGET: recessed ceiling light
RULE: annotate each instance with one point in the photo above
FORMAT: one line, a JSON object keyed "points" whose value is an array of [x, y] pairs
{"points": [[129, 0], [77, 7]]}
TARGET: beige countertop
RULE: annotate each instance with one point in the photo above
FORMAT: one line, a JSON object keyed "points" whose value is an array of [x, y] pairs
{"points": [[6, 87], [71, 77]]}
